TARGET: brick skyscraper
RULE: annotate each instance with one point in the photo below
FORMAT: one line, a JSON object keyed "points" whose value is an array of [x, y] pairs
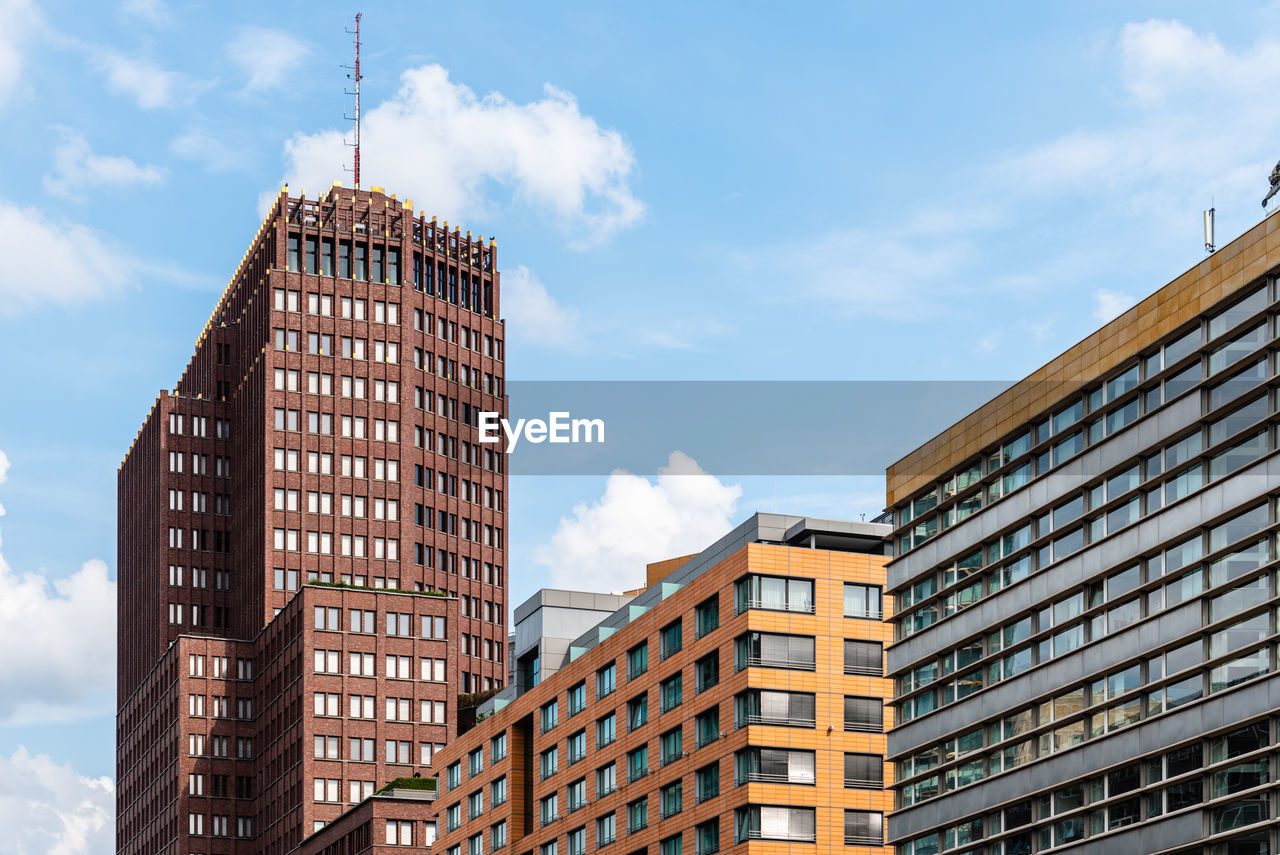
{"points": [[311, 541]]}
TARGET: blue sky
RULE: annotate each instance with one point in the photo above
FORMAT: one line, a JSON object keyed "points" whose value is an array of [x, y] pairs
{"points": [[707, 191]]}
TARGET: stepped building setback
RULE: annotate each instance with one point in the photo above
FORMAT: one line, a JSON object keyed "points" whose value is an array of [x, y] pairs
{"points": [[311, 540], [1085, 578]]}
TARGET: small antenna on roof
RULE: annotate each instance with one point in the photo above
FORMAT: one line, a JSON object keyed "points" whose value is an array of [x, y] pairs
{"points": [[1208, 228], [355, 75]]}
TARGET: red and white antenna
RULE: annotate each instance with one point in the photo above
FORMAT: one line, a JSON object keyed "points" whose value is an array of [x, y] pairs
{"points": [[355, 75]]}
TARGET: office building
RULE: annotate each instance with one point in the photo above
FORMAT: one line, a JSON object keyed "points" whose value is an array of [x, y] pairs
{"points": [[311, 539], [735, 704], [1084, 572]]}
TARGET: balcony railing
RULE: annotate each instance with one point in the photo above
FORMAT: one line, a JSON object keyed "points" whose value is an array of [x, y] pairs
{"points": [[863, 840], [865, 670], [790, 836], [780, 721], [863, 726], [771, 778], [773, 605], [770, 662], [864, 783]]}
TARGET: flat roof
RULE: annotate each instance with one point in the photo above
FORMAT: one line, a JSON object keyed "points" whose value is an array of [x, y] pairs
{"points": [[1217, 277]]}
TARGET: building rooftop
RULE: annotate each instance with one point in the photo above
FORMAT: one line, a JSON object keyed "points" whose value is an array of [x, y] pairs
{"points": [[1221, 274]]}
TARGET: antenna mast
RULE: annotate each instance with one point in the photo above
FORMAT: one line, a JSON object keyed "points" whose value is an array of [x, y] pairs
{"points": [[355, 75]]}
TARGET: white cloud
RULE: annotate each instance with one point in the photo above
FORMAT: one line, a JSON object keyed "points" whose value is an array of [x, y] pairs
{"points": [[1109, 305], [534, 315], [76, 167], [148, 84], [266, 56], [152, 11], [204, 148], [604, 545], [47, 808], [988, 343], [60, 263], [439, 143], [19, 17], [57, 643], [1197, 121]]}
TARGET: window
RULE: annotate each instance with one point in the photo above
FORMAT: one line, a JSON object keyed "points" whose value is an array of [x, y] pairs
{"points": [[606, 779], [671, 799], [774, 766], [638, 815], [863, 828], [673, 845], [707, 782], [606, 730], [770, 650], [672, 637], [577, 699], [637, 763], [576, 795], [672, 744], [550, 762], [863, 657], [776, 593], [707, 671], [863, 715], [775, 822], [550, 715], [549, 809], [864, 771], [475, 763], [707, 726], [862, 601], [606, 680], [576, 841], [453, 774], [576, 747], [707, 837], [786, 709], [606, 830], [498, 791], [672, 692], [498, 835], [637, 660], [637, 712], [707, 616]]}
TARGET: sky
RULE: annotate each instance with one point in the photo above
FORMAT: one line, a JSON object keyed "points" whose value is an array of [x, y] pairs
{"points": [[716, 191]]}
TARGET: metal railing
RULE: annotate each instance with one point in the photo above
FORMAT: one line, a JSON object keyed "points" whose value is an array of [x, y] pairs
{"points": [[864, 783], [863, 840], [771, 778], [782, 721], [768, 662], [773, 605], [865, 670], [794, 837]]}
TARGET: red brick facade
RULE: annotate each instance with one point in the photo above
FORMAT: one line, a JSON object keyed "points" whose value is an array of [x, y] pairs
{"points": [[324, 430]]}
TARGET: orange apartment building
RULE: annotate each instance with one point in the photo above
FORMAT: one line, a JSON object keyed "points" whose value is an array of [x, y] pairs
{"points": [[737, 704]]}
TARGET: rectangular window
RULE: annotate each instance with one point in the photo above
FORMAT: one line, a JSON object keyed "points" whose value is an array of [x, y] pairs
{"points": [[775, 593], [707, 616], [863, 601]]}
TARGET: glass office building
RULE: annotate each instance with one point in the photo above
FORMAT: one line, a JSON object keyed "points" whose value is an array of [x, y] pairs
{"points": [[1085, 588]]}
